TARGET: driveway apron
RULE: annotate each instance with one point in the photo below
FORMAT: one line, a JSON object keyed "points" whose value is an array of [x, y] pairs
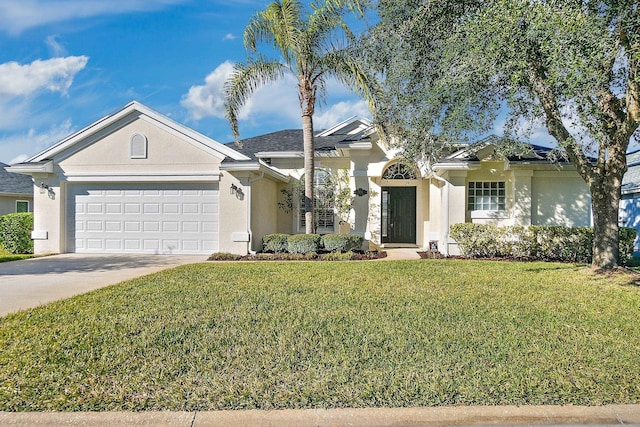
{"points": [[33, 282]]}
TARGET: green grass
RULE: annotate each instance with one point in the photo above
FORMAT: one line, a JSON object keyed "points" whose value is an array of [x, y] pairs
{"points": [[331, 334], [6, 256]]}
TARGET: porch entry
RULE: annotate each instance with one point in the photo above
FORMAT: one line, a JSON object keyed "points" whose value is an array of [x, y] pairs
{"points": [[398, 215]]}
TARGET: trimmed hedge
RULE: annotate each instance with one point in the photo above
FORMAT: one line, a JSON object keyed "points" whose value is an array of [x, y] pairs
{"points": [[553, 243], [311, 243], [342, 242], [15, 233], [303, 243], [276, 242]]}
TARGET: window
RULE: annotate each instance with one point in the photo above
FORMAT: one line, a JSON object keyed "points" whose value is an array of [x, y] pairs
{"points": [[486, 196], [324, 201], [22, 206], [400, 170]]}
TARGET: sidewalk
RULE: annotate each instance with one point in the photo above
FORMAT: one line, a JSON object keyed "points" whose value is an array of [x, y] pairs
{"points": [[367, 417]]}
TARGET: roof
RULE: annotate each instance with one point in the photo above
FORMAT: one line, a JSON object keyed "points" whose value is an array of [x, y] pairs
{"points": [[132, 110], [290, 140], [517, 151], [13, 183]]}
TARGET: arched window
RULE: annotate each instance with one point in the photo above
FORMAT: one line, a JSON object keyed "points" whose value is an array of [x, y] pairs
{"points": [[400, 170]]}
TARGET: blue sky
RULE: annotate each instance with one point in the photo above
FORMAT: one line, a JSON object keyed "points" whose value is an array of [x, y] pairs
{"points": [[67, 63]]}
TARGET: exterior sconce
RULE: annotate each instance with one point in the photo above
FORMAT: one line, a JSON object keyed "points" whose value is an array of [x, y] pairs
{"points": [[43, 187], [237, 191], [360, 192]]}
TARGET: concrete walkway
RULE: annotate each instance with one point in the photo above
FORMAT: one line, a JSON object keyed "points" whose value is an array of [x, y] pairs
{"points": [[396, 254], [36, 281], [381, 417]]}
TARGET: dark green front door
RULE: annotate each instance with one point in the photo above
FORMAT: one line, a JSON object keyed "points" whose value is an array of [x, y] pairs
{"points": [[399, 215]]}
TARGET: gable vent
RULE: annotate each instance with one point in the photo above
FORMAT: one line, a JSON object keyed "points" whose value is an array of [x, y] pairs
{"points": [[138, 146]]}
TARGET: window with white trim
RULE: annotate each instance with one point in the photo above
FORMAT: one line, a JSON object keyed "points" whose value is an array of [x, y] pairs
{"points": [[22, 206], [486, 196], [324, 212]]}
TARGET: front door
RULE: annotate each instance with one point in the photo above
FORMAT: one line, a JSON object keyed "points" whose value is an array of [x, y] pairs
{"points": [[399, 215]]}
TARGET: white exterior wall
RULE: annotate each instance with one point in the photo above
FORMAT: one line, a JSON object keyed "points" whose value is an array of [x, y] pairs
{"points": [[630, 216], [8, 203], [559, 198], [234, 228]]}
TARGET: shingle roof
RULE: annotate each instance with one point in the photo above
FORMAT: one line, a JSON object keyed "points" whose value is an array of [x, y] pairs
{"points": [[528, 152], [284, 140], [14, 183]]}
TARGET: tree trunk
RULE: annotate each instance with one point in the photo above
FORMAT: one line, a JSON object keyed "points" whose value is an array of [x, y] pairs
{"points": [[605, 204], [309, 202]]}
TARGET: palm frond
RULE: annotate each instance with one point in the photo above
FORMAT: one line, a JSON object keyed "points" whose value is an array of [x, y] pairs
{"points": [[280, 25], [245, 79], [346, 66]]}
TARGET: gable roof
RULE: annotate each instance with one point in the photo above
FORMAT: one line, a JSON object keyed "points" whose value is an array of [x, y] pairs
{"points": [[527, 152], [13, 183], [284, 141], [290, 141], [127, 113]]}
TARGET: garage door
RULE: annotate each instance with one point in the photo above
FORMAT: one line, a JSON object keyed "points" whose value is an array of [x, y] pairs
{"points": [[144, 218]]}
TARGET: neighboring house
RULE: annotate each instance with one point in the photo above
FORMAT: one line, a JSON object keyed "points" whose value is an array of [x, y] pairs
{"points": [[16, 192], [630, 203], [136, 181]]}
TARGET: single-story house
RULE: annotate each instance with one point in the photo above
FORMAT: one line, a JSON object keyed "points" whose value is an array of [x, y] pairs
{"points": [[630, 203], [137, 181], [16, 192]]}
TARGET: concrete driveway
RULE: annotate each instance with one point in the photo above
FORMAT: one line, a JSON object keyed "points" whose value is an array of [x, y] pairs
{"points": [[33, 282]]}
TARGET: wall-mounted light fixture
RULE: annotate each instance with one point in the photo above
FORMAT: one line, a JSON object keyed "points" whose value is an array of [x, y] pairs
{"points": [[237, 191], [360, 192], [43, 187]]}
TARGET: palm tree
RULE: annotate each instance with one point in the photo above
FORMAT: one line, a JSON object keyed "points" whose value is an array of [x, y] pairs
{"points": [[314, 44]]}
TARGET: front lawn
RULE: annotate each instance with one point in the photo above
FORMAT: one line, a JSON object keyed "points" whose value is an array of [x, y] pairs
{"points": [[331, 334]]}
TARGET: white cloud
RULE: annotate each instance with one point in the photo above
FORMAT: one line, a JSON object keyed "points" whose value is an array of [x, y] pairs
{"points": [[54, 46], [275, 105], [33, 140], [340, 112], [279, 98], [54, 74], [17, 16], [229, 36], [208, 100]]}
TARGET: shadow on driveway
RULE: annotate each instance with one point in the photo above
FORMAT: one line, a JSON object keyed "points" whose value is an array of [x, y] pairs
{"points": [[32, 282], [66, 263]]}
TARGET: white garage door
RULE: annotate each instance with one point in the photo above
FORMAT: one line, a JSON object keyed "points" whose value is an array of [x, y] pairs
{"points": [[144, 218]]}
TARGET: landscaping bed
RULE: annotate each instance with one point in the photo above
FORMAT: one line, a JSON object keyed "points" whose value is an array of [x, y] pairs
{"points": [[311, 256]]}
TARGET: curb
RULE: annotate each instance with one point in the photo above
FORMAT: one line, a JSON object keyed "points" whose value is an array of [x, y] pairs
{"points": [[365, 417]]}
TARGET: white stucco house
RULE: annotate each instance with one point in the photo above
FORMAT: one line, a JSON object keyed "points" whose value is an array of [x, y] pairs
{"points": [[136, 181], [16, 192], [630, 203]]}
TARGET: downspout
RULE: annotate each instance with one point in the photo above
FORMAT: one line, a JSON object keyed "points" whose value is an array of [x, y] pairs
{"points": [[248, 187], [445, 216]]}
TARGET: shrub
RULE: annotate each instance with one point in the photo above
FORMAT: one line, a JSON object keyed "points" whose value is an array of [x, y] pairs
{"points": [[342, 242], [477, 240], [303, 243], [627, 242], [15, 233], [276, 242], [224, 256], [337, 256], [552, 243]]}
